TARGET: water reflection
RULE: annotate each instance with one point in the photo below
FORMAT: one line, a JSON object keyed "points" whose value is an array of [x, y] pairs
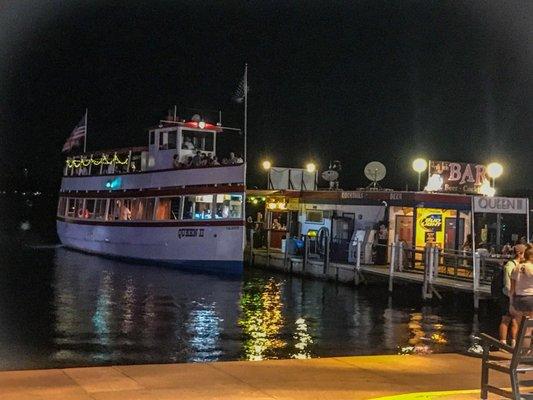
{"points": [[261, 319], [84, 310]]}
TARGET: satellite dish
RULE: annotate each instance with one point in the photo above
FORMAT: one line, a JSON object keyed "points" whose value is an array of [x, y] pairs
{"points": [[330, 175], [375, 171]]}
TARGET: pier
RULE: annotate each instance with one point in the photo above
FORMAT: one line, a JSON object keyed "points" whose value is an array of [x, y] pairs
{"points": [[388, 377], [431, 276]]}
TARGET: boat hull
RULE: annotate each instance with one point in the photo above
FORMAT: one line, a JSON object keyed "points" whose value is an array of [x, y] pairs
{"points": [[210, 247]]}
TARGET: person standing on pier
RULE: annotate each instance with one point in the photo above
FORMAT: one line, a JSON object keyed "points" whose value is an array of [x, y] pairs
{"points": [[522, 287], [504, 298]]}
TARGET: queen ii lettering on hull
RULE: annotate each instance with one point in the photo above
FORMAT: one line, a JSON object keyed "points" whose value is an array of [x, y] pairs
{"points": [[170, 202]]}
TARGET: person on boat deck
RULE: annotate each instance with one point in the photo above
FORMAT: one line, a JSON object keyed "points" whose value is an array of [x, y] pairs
{"points": [[125, 213], [197, 159], [187, 144], [209, 159], [275, 224], [215, 162], [176, 161], [232, 158]]}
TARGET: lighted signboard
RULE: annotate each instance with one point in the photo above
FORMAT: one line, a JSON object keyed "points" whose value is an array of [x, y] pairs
{"points": [[430, 226], [455, 177]]}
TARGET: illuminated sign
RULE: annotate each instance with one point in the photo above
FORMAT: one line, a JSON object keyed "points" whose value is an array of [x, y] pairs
{"points": [[115, 183], [432, 222], [448, 176], [500, 205]]}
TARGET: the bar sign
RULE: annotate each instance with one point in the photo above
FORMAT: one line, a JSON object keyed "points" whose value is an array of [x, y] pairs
{"points": [[500, 205]]}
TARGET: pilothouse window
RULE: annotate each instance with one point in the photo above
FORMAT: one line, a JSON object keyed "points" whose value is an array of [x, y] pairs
{"points": [[198, 140]]}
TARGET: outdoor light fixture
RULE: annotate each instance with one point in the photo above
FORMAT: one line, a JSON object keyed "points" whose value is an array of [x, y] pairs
{"points": [[494, 170], [419, 165], [266, 166], [201, 124], [486, 190], [311, 167]]}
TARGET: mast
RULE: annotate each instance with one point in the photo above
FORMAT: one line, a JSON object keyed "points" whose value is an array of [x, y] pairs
{"points": [[85, 138]]}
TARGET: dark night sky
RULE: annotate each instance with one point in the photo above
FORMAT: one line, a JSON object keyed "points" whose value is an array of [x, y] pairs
{"points": [[355, 81]]}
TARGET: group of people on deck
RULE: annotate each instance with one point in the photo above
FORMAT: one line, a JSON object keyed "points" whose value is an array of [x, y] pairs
{"points": [[207, 160], [516, 297]]}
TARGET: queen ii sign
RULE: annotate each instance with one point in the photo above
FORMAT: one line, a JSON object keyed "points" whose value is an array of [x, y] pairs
{"points": [[500, 205], [457, 177]]}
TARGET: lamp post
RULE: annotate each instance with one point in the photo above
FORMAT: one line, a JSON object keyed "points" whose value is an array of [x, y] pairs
{"points": [[311, 168], [266, 166], [494, 170], [419, 165]]}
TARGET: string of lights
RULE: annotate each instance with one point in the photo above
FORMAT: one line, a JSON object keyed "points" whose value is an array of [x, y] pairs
{"points": [[72, 163]]}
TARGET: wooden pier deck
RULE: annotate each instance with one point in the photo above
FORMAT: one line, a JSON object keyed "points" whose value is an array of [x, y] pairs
{"points": [[347, 273]]}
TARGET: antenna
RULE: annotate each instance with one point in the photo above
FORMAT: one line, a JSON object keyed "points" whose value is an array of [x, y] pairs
{"points": [[375, 171]]}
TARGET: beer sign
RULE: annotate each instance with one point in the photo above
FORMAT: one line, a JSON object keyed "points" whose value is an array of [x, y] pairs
{"points": [[455, 177]]}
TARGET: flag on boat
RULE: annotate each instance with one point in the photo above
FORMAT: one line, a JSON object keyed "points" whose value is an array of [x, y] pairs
{"points": [[241, 91], [77, 134]]}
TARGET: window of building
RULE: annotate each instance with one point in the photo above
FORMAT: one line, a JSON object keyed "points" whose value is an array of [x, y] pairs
{"points": [[314, 216]]}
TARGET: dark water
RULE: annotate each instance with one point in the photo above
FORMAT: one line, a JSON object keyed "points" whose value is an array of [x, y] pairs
{"points": [[63, 308]]}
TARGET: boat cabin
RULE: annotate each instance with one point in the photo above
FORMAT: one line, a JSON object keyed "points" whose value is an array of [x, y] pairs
{"points": [[172, 144]]}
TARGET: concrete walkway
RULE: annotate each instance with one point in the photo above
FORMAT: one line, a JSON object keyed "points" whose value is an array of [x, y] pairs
{"points": [[365, 377]]}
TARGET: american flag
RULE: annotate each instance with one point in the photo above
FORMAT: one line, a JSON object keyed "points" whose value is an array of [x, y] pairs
{"points": [[241, 91], [77, 134]]}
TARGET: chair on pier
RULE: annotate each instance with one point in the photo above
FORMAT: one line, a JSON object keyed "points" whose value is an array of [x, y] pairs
{"points": [[521, 361]]}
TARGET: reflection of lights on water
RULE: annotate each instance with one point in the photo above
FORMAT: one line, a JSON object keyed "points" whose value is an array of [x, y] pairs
{"points": [[204, 327], [303, 340], [262, 319], [421, 341], [102, 313], [129, 303]]}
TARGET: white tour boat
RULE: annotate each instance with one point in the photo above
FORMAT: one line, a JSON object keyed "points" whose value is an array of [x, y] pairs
{"points": [[166, 203]]}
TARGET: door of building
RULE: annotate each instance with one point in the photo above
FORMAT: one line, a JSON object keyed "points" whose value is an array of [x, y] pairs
{"points": [[450, 232], [404, 229]]}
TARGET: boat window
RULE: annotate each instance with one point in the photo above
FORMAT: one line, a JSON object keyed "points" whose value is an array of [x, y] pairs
{"points": [[231, 204], [78, 208], [88, 211], [172, 139], [152, 137], [142, 208], [61, 206], [99, 209], [197, 207], [168, 208], [198, 140]]}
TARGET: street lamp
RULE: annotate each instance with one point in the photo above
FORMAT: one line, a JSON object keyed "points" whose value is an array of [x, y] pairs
{"points": [[311, 167], [419, 165], [266, 166], [494, 170]]}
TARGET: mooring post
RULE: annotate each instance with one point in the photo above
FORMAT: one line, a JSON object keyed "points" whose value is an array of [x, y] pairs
{"points": [[251, 262], [400, 256], [391, 266], [358, 255], [268, 247], [326, 254], [475, 278], [306, 253]]}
